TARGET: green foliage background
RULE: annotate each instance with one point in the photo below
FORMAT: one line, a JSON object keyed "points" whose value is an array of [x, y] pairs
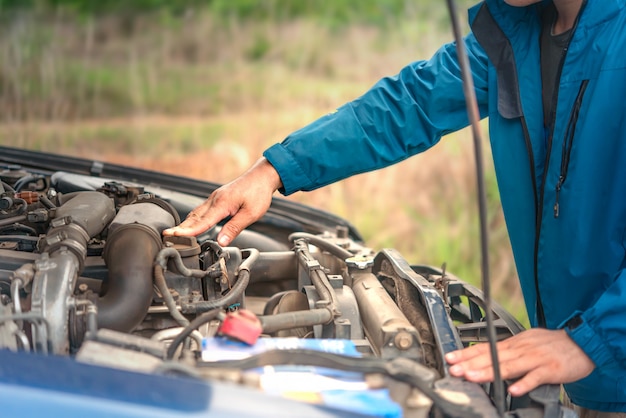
{"points": [[341, 12]]}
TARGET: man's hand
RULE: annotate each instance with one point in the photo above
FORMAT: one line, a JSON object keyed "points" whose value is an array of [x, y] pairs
{"points": [[246, 199], [536, 356]]}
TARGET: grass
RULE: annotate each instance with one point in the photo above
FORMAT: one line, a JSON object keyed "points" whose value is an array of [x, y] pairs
{"points": [[205, 96]]}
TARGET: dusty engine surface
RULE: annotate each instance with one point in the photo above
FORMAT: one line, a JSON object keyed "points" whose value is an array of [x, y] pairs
{"points": [[85, 273], [77, 262]]}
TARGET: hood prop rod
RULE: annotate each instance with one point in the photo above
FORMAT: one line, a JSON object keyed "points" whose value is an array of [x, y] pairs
{"points": [[474, 119]]}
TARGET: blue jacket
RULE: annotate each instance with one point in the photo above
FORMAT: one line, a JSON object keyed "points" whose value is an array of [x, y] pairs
{"points": [[563, 189]]}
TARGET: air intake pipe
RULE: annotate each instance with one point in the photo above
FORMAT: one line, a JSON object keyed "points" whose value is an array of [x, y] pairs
{"points": [[63, 252], [133, 242]]}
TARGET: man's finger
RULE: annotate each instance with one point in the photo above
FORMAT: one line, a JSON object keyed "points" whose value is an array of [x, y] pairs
{"points": [[234, 226], [479, 367], [465, 354], [197, 222], [527, 383]]}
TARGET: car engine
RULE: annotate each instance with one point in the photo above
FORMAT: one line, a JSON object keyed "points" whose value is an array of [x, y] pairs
{"points": [[86, 273]]}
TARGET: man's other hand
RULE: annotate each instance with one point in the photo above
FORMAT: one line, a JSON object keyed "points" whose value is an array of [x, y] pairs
{"points": [[536, 357]]}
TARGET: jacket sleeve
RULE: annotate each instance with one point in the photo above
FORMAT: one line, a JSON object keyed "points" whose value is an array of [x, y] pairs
{"points": [[600, 330], [398, 117]]}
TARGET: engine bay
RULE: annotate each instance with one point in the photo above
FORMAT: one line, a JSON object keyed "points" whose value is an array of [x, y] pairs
{"points": [[85, 273]]}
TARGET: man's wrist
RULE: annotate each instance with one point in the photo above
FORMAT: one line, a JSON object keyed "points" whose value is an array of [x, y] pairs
{"points": [[270, 173]]}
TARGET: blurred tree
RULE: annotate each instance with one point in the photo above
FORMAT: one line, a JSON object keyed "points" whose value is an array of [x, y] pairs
{"points": [[335, 13]]}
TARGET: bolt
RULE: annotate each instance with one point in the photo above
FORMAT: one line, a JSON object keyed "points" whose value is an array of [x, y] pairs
{"points": [[342, 231], [83, 287], [6, 202], [403, 340]]}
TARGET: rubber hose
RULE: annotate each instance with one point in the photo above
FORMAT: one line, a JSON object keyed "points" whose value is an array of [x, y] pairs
{"points": [[228, 299], [322, 244], [243, 278], [159, 280], [129, 256], [290, 320], [189, 329], [171, 253]]}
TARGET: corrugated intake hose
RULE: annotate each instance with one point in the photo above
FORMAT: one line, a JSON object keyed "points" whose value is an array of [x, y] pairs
{"points": [[130, 251]]}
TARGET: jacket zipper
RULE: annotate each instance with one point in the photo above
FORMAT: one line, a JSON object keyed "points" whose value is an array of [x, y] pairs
{"points": [[541, 318], [567, 144], [531, 160]]}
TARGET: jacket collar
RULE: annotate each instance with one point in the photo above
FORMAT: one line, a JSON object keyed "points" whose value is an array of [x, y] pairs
{"points": [[509, 17]]}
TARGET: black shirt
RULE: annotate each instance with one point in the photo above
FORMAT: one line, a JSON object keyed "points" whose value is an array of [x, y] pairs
{"points": [[552, 53]]}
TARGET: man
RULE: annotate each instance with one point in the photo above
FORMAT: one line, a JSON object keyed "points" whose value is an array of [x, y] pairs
{"points": [[551, 77]]}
